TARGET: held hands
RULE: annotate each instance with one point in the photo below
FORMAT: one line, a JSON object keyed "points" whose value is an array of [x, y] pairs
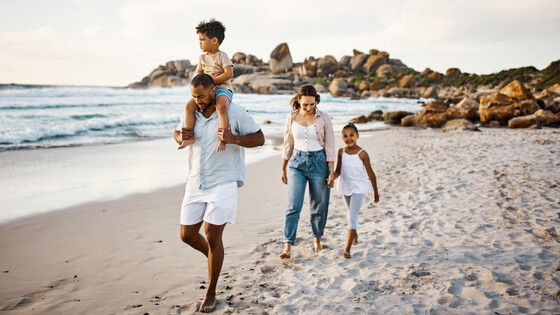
{"points": [[225, 136], [330, 180]]}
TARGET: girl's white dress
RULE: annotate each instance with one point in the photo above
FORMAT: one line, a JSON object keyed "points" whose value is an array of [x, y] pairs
{"points": [[353, 176]]}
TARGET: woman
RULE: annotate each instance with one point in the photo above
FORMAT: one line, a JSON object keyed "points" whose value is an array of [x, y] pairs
{"points": [[308, 156]]}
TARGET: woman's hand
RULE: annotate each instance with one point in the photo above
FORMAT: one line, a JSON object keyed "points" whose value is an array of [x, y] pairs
{"points": [[284, 177]]}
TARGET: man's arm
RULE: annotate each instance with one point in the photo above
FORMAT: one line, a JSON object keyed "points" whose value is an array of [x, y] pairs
{"points": [[251, 140]]}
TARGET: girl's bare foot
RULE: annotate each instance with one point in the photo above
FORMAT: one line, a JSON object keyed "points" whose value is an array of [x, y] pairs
{"points": [[287, 250], [208, 305], [317, 245], [185, 144], [346, 255], [221, 146]]}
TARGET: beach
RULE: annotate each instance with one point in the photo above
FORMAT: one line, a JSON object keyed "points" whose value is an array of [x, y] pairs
{"points": [[467, 223]]}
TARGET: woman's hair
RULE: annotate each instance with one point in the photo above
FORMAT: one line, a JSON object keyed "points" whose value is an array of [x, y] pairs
{"points": [[305, 90], [351, 125]]}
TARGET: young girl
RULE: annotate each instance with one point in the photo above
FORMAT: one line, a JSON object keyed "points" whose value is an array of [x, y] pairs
{"points": [[356, 180]]}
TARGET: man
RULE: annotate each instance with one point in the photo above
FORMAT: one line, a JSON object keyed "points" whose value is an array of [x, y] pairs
{"points": [[213, 177]]}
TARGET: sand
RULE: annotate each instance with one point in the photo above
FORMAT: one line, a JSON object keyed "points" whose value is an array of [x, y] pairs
{"points": [[467, 223]]}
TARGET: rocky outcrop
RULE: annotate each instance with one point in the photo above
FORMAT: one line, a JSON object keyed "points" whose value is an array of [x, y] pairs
{"points": [[281, 59], [372, 63], [357, 62], [434, 114], [263, 83], [511, 101], [327, 66], [338, 87], [395, 117], [467, 109], [174, 73]]}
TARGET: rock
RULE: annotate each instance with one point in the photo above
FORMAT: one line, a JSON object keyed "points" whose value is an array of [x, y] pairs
{"points": [[426, 71], [459, 125], [358, 120], [496, 107], [395, 92], [555, 89], [434, 114], [321, 88], [467, 108], [555, 108], [407, 81], [547, 97], [238, 57], [517, 91], [280, 59], [170, 65], [384, 54], [263, 82], [357, 62], [356, 52], [430, 92], [338, 87], [327, 65], [344, 61], [384, 71], [372, 63], [266, 122], [435, 76], [395, 117], [182, 65], [410, 121], [377, 85], [375, 116], [309, 68], [452, 72], [253, 61], [526, 107], [523, 121], [364, 85], [341, 73], [373, 51], [239, 69], [547, 118]]}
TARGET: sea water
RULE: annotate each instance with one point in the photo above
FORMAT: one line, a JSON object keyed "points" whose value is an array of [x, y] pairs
{"points": [[66, 145]]}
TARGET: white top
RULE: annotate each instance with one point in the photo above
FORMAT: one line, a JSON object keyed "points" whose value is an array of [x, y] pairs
{"points": [[305, 138], [353, 176]]}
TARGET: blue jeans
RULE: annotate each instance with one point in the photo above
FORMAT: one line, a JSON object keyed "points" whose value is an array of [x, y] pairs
{"points": [[306, 167]]}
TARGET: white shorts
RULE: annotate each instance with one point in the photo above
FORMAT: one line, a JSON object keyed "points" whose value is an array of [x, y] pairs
{"points": [[216, 205]]}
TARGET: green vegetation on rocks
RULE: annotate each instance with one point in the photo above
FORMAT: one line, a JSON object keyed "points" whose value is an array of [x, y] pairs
{"points": [[550, 75]]}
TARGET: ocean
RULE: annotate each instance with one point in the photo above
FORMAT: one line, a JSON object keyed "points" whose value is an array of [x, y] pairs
{"points": [[65, 145]]}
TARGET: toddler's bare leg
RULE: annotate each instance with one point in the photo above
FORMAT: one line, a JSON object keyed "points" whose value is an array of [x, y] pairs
{"points": [[190, 109], [222, 103]]}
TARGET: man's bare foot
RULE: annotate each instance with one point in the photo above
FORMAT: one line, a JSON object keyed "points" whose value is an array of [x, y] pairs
{"points": [[285, 255], [208, 305], [317, 245], [185, 144], [346, 255], [221, 146]]}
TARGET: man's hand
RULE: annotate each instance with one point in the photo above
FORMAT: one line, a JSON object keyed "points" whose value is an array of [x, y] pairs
{"points": [[225, 136]]}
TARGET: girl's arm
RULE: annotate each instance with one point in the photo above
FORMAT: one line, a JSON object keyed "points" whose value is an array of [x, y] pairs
{"points": [[336, 173], [221, 78], [365, 158]]}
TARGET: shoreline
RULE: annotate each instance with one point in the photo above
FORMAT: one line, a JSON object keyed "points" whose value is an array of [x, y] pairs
{"points": [[465, 223]]}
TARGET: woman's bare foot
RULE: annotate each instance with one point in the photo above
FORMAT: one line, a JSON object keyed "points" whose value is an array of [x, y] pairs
{"points": [[317, 245], [221, 146], [208, 305], [185, 144], [346, 255], [287, 250]]}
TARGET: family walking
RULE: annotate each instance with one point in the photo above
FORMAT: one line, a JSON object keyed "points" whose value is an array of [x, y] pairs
{"points": [[214, 130]]}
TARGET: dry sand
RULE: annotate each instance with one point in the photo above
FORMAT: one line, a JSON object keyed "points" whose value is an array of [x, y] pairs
{"points": [[467, 223]]}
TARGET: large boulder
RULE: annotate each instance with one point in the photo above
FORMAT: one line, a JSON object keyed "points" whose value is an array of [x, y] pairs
{"points": [[407, 81], [395, 117], [376, 115], [281, 59], [394, 92], [357, 62], [238, 57], [555, 89], [372, 63], [452, 72], [517, 91], [327, 65], [344, 61], [358, 120], [525, 107], [434, 114], [410, 121], [430, 92], [435, 76], [523, 121], [309, 68], [338, 87], [182, 65], [498, 107], [384, 71], [467, 108], [547, 118], [239, 69], [459, 125], [262, 82]]}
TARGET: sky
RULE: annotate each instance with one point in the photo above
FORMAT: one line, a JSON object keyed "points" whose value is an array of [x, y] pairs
{"points": [[117, 42]]}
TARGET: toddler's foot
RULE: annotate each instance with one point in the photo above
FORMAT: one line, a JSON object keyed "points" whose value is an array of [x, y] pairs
{"points": [[221, 146], [346, 255], [185, 144], [317, 245]]}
